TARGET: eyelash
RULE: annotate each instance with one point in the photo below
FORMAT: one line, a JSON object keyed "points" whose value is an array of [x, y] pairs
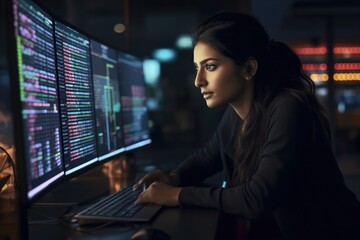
{"points": [[209, 67]]}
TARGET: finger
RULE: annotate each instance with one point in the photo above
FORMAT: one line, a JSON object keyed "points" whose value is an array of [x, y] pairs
{"points": [[141, 183], [147, 180], [137, 186], [140, 200]]}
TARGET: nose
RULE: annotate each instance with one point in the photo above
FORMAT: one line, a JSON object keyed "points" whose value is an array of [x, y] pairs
{"points": [[200, 80]]}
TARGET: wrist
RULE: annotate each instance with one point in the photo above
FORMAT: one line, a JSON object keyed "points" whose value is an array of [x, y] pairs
{"points": [[177, 196], [174, 178]]}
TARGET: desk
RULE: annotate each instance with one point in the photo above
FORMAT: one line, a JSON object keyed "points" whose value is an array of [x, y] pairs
{"points": [[179, 223]]}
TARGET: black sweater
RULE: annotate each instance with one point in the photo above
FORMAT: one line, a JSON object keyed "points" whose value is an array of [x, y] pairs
{"points": [[298, 178]]}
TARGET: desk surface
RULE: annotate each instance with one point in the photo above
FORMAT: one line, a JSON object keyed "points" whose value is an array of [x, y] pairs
{"points": [[179, 223]]}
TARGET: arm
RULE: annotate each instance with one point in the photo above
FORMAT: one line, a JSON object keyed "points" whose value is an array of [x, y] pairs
{"points": [[193, 170], [289, 133], [200, 165]]}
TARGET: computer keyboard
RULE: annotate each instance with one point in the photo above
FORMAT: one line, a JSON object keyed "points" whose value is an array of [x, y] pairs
{"points": [[118, 206]]}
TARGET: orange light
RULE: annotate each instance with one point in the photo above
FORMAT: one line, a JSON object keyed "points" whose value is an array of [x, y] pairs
{"points": [[319, 77], [347, 76], [347, 66]]}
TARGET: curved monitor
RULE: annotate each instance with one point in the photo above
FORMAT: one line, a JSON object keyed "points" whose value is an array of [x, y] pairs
{"points": [[77, 102]]}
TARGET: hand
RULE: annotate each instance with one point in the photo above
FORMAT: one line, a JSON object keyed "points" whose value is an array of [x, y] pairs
{"points": [[157, 176], [160, 193]]}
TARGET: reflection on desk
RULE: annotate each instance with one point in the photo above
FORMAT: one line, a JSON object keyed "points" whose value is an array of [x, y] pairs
{"points": [[8, 214]]}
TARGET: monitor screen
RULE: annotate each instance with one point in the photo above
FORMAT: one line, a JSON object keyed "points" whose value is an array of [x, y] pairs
{"points": [[107, 100], [37, 117], [76, 95], [133, 100]]}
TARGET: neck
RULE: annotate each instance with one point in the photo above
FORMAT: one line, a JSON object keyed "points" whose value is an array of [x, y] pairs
{"points": [[242, 105]]}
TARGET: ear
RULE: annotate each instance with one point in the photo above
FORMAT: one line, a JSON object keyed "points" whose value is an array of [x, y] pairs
{"points": [[251, 67]]}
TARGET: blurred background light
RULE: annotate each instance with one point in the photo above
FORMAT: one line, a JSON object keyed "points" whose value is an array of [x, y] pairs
{"points": [[152, 70], [119, 28], [164, 54], [184, 42]]}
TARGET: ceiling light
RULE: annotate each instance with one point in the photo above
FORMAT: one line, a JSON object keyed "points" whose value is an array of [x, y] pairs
{"points": [[119, 28]]}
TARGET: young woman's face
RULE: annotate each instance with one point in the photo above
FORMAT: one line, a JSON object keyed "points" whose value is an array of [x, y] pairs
{"points": [[219, 78]]}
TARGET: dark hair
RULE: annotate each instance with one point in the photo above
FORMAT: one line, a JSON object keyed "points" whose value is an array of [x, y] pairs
{"points": [[240, 37]]}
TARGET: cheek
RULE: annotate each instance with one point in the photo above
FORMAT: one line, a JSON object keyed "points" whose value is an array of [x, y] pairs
{"points": [[230, 84]]}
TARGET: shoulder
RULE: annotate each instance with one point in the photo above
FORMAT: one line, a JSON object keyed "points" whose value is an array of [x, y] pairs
{"points": [[290, 106], [290, 101]]}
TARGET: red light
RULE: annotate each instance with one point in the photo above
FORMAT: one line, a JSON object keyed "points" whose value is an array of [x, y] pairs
{"points": [[310, 50], [347, 66], [346, 50], [323, 66], [314, 66]]}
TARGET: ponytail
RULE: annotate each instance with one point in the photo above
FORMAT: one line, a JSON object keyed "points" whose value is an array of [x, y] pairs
{"points": [[280, 71], [286, 68]]}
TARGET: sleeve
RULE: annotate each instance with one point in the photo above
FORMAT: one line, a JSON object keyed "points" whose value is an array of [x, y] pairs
{"points": [[289, 131], [207, 160]]}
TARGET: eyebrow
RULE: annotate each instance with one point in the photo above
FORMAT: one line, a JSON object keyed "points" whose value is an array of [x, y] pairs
{"points": [[206, 60]]}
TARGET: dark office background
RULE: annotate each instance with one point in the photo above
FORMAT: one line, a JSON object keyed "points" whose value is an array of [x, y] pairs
{"points": [[179, 117]]}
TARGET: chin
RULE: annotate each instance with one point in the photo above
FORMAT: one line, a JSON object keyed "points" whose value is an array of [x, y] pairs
{"points": [[212, 104]]}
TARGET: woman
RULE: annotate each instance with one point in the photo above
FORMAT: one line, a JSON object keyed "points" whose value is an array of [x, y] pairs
{"points": [[273, 142]]}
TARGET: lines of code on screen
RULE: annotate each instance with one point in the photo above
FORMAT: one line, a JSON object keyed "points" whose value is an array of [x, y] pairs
{"points": [[76, 97], [38, 95], [107, 100]]}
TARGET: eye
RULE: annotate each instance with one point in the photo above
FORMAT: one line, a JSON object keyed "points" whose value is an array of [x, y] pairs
{"points": [[210, 67]]}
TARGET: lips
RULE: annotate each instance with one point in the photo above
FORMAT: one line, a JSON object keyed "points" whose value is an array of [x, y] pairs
{"points": [[207, 95]]}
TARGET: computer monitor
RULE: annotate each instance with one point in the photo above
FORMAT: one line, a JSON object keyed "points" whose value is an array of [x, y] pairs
{"points": [[133, 100], [76, 101], [107, 100], [76, 95], [35, 99]]}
